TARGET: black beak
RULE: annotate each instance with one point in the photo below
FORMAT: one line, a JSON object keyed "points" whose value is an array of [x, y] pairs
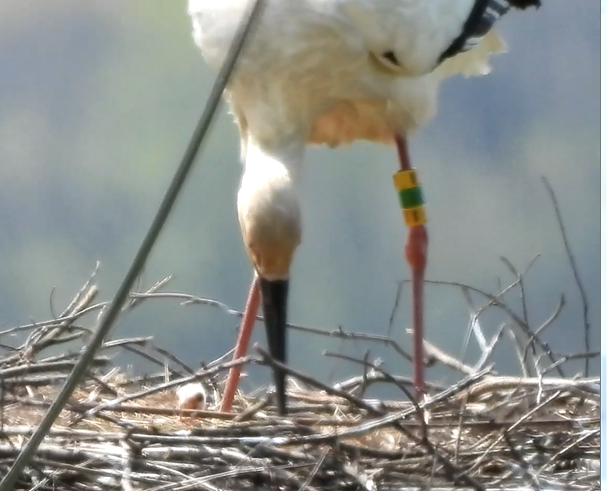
{"points": [[274, 304]]}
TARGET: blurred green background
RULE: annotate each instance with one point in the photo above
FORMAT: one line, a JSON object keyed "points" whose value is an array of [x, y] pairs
{"points": [[98, 100]]}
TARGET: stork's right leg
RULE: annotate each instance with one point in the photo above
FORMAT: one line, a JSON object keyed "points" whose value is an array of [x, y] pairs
{"points": [[416, 251]]}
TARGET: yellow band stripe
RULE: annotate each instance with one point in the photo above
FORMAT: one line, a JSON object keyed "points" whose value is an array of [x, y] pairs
{"points": [[411, 197], [405, 179], [414, 216]]}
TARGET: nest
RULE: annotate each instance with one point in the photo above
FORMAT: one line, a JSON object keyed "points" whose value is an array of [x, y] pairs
{"points": [[121, 431]]}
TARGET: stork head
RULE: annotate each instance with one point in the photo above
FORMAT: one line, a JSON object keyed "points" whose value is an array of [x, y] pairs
{"points": [[270, 220]]}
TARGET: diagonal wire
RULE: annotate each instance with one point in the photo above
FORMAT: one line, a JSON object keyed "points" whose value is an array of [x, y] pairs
{"points": [[253, 12]]}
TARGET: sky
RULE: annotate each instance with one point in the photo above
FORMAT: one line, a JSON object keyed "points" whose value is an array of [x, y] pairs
{"points": [[99, 99]]}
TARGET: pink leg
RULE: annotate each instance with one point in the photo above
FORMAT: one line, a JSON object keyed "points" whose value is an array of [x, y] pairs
{"points": [[242, 344], [416, 251]]}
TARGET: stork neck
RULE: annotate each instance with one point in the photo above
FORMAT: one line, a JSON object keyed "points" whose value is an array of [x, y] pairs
{"points": [[268, 209]]}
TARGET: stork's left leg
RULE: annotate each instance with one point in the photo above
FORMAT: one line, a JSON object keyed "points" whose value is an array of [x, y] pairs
{"points": [[242, 344], [416, 250]]}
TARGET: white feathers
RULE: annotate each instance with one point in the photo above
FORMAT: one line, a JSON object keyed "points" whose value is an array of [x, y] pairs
{"points": [[191, 396], [474, 62], [314, 70], [415, 31]]}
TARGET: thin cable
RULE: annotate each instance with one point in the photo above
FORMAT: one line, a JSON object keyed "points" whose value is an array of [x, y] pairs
{"points": [[26, 454]]}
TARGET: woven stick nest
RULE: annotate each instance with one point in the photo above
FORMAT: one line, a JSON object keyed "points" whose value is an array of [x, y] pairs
{"points": [[121, 431]]}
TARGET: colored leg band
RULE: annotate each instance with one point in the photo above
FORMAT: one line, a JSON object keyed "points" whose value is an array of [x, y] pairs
{"points": [[411, 197]]}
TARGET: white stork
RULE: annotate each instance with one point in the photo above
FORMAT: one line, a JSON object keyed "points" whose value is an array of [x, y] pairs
{"points": [[332, 72]]}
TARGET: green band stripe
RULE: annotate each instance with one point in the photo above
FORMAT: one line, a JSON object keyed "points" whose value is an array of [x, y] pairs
{"points": [[410, 198]]}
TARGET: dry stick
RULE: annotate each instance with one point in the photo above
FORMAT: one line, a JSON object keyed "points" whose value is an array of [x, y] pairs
{"points": [[342, 345], [392, 379], [375, 367], [557, 311], [335, 333], [263, 431], [154, 360], [213, 435], [69, 315], [545, 346], [521, 284], [161, 387], [520, 421], [278, 471], [460, 424], [474, 323], [248, 413], [351, 398], [126, 342], [475, 326], [399, 290], [513, 383], [173, 358], [448, 360], [43, 336], [366, 366], [455, 473], [72, 307], [81, 300], [104, 385], [432, 352], [484, 358], [134, 300], [492, 302], [373, 378], [117, 407], [83, 407], [436, 354], [521, 462], [564, 451], [525, 372], [48, 338], [7, 484], [47, 367], [61, 357], [315, 470], [589, 387], [2, 404], [352, 451], [574, 269], [53, 322], [6, 347], [520, 277], [574, 356]]}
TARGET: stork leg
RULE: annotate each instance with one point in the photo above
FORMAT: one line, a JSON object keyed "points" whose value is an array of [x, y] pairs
{"points": [[242, 344], [416, 250]]}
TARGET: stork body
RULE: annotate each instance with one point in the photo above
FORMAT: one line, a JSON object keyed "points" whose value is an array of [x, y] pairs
{"points": [[331, 72]]}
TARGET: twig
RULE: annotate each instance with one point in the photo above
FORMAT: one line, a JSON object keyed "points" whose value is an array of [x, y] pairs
{"points": [[507, 310], [521, 285], [574, 269], [162, 387], [435, 354], [339, 333], [545, 325]]}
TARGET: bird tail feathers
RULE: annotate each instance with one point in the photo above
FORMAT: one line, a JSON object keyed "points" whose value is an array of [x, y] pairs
{"points": [[474, 62]]}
